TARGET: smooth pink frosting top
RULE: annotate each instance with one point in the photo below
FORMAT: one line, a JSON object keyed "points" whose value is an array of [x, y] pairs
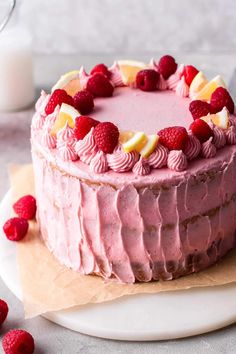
{"points": [[136, 110]]}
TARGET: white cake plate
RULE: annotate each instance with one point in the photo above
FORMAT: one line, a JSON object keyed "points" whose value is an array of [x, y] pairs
{"points": [[142, 317]]}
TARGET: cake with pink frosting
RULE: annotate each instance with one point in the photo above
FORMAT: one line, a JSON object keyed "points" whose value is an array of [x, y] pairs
{"points": [[135, 170]]}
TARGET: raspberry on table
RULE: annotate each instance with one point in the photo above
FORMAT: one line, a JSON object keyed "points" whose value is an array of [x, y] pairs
{"points": [[101, 68], [174, 138], [201, 130], [106, 136], [58, 97], [16, 229], [221, 98], [25, 207], [3, 311], [83, 102], [199, 108], [189, 74], [18, 341], [147, 80], [167, 66], [83, 125]]}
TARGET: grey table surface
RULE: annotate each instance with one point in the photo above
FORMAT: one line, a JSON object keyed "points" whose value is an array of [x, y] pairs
{"points": [[15, 148]]}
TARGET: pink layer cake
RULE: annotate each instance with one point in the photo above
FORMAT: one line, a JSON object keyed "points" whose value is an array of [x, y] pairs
{"points": [[149, 195]]}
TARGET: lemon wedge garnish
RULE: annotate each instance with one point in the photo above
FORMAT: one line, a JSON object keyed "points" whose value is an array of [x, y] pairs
{"points": [[149, 146], [137, 142], [220, 119], [125, 136], [67, 114], [69, 82], [197, 84], [129, 70], [209, 88]]}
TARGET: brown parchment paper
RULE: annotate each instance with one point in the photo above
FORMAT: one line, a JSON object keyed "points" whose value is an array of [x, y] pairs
{"points": [[48, 286]]}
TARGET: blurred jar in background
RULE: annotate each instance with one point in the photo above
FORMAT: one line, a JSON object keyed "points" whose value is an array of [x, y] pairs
{"points": [[16, 63]]}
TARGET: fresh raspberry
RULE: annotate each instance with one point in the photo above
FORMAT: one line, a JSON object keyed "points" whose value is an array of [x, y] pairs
{"points": [[199, 109], [100, 86], [201, 130], [189, 74], [25, 207], [18, 341], [167, 66], [174, 138], [83, 102], [57, 98], [106, 136], [83, 125], [146, 80], [221, 98], [101, 68], [3, 311], [15, 229]]}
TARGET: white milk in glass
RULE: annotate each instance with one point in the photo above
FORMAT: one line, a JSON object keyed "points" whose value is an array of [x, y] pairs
{"points": [[16, 69]]}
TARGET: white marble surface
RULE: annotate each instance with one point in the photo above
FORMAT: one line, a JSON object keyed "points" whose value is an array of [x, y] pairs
{"points": [[15, 148]]}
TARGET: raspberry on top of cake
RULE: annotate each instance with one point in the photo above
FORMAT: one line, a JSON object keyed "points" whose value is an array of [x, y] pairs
{"points": [[119, 118]]}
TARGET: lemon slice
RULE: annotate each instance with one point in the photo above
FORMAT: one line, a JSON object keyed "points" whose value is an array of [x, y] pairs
{"points": [[197, 84], [129, 70], [209, 88], [67, 114], [137, 142], [69, 82], [125, 136], [150, 145], [220, 119]]}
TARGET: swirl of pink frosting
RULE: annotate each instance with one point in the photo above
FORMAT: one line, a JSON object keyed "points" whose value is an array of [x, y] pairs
{"points": [[47, 139], [231, 135], [232, 121], [141, 168], [116, 78], [182, 88], [219, 139], [208, 149], [153, 64], [99, 163], [162, 84], [174, 79], [192, 147], [67, 151], [40, 115], [159, 157], [66, 134], [86, 148], [83, 77], [51, 118], [177, 161], [120, 161]]}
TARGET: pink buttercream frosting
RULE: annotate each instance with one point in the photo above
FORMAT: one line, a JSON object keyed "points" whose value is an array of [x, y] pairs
{"points": [[40, 115], [192, 147], [158, 158], [86, 148], [219, 139], [120, 161], [99, 163], [182, 88], [51, 118], [174, 79], [162, 84], [67, 151], [141, 168], [177, 161], [231, 135], [66, 134], [116, 77], [208, 148], [48, 140], [83, 77]]}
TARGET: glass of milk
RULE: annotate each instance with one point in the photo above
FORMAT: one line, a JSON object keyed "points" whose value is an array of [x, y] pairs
{"points": [[16, 69]]}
